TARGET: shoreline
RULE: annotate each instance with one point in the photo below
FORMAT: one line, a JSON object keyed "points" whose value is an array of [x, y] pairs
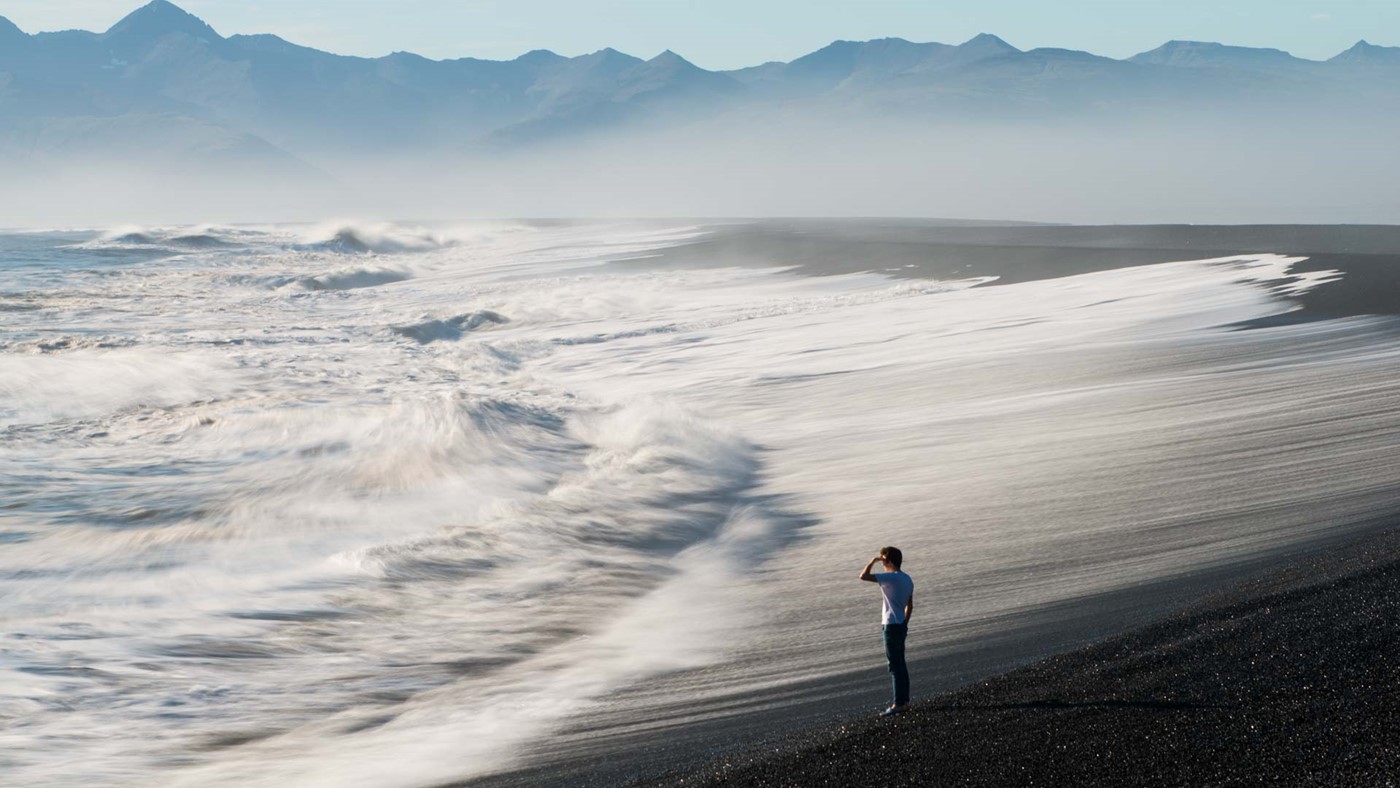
{"points": [[1288, 677]]}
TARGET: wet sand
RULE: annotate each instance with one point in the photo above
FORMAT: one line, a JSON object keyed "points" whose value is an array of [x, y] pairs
{"points": [[1288, 679]]}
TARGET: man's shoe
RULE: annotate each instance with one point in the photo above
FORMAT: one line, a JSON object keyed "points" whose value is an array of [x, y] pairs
{"points": [[893, 710]]}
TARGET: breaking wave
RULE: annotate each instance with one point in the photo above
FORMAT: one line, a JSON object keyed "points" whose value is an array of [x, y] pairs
{"points": [[353, 278], [373, 238], [199, 241], [453, 328], [175, 239], [644, 493], [132, 237]]}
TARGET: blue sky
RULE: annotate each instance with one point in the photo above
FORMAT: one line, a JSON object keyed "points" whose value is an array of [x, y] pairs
{"points": [[721, 34]]}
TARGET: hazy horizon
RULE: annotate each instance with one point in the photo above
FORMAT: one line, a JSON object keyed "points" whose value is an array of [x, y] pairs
{"points": [[163, 119], [1067, 175]]}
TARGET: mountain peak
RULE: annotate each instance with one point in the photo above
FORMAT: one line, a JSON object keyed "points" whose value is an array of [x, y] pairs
{"points": [[159, 18], [669, 58], [1362, 47], [1364, 52], [608, 58], [987, 41]]}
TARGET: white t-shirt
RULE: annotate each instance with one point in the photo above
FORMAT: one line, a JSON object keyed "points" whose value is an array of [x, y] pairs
{"points": [[896, 588]]}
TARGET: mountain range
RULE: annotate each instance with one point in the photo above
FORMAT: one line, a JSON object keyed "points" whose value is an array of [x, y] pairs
{"points": [[161, 84]]}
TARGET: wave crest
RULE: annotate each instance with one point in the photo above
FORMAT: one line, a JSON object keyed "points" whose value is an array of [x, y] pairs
{"points": [[373, 238], [180, 238], [353, 278], [450, 329]]}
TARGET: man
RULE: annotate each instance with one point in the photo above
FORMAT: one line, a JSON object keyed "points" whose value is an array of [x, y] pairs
{"points": [[897, 590]]}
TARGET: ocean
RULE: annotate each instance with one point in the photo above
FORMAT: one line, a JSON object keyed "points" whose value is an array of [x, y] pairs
{"points": [[382, 504]]}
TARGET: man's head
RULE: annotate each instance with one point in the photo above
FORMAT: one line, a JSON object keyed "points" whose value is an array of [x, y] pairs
{"points": [[892, 556]]}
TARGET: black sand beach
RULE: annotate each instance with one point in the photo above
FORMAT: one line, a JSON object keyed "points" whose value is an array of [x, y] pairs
{"points": [[1281, 669], [1290, 679], [930, 249]]}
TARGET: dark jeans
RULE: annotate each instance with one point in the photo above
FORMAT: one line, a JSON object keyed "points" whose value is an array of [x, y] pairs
{"points": [[894, 652]]}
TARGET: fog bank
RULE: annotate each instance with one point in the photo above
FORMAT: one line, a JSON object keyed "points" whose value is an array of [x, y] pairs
{"points": [[1217, 170]]}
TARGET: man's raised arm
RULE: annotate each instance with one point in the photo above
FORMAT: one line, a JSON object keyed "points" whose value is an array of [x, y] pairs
{"points": [[865, 573]]}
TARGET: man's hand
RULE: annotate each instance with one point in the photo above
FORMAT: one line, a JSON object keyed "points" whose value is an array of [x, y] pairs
{"points": [[865, 573]]}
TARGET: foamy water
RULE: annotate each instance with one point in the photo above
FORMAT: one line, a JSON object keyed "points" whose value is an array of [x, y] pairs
{"points": [[392, 505]]}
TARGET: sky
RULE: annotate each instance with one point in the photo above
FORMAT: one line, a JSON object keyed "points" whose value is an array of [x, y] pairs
{"points": [[726, 34]]}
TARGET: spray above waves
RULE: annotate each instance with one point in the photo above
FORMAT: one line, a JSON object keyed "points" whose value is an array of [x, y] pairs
{"points": [[333, 237], [88, 383], [374, 238], [370, 240]]}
